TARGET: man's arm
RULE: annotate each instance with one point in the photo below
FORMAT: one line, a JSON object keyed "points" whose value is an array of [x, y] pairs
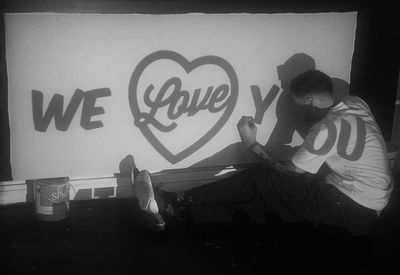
{"points": [[248, 133], [287, 166]]}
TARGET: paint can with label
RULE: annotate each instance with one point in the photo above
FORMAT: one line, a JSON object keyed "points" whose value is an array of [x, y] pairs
{"points": [[52, 198]]}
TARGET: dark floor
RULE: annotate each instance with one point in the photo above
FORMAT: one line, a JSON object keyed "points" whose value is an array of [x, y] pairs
{"points": [[108, 237]]}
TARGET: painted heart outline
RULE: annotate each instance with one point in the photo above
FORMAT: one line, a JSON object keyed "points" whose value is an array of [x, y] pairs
{"points": [[188, 66]]}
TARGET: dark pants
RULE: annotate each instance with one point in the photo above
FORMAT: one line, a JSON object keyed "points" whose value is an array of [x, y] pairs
{"points": [[295, 198]]}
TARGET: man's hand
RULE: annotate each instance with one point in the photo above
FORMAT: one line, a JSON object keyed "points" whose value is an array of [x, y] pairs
{"points": [[247, 130]]}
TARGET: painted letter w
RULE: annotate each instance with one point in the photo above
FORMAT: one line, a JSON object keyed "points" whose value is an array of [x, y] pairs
{"points": [[55, 109]]}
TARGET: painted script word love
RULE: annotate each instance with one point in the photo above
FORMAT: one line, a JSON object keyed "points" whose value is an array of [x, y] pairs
{"points": [[177, 101], [181, 102]]}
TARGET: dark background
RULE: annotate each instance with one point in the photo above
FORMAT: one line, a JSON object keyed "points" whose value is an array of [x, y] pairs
{"points": [[375, 65]]}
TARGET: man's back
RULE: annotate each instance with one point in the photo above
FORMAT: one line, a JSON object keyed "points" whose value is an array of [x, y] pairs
{"points": [[350, 142]]}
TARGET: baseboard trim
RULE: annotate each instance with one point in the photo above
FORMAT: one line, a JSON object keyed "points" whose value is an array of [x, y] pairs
{"points": [[119, 185]]}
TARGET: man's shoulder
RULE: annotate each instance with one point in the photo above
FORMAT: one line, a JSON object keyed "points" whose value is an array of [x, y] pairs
{"points": [[355, 101], [326, 125], [330, 119]]}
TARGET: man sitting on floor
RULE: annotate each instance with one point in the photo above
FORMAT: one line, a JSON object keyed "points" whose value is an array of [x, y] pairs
{"points": [[348, 140]]}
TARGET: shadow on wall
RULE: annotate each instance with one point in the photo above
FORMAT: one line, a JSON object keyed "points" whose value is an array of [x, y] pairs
{"points": [[124, 180], [290, 117]]}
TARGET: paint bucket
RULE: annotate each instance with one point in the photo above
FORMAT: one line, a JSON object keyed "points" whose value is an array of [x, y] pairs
{"points": [[52, 198]]}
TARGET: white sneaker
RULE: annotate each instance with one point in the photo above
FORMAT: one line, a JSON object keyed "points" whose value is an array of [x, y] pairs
{"points": [[143, 190]]}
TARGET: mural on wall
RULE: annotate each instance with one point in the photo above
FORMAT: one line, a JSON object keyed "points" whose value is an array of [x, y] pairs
{"points": [[86, 91], [177, 101]]}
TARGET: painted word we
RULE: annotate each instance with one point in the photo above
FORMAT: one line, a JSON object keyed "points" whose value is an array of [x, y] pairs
{"points": [[56, 106]]}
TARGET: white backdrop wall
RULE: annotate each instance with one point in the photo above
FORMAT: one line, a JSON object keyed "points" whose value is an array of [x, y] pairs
{"points": [[88, 90]]}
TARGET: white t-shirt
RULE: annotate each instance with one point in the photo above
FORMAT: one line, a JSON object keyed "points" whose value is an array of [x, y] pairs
{"points": [[349, 140]]}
